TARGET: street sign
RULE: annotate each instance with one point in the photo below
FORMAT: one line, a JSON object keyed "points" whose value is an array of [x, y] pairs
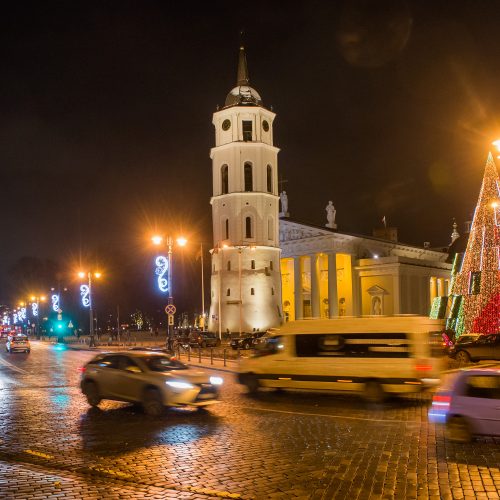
{"points": [[170, 319], [170, 309]]}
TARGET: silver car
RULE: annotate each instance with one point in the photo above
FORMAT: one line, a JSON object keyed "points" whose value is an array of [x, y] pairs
{"points": [[153, 379]]}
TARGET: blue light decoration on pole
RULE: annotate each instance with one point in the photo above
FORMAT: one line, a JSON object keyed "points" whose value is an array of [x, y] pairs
{"points": [[55, 302], [86, 294], [162, 266], [34, 309]]}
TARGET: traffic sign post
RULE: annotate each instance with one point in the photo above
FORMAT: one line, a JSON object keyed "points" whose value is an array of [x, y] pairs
{"points": [[170, 319], [170, 309]]}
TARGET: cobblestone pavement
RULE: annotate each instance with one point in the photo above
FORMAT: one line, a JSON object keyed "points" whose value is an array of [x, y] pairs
{"points": [[275, 445]]}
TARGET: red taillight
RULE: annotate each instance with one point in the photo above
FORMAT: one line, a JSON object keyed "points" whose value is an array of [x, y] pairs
{"points": [[423, 366], [82, 369], [441, 399]]}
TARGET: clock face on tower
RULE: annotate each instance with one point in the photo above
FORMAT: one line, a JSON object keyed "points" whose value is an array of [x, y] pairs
{"points": [[265, 126], [226, 125]]}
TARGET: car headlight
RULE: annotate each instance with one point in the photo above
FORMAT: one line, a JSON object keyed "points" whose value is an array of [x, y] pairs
{"points": [[216, 380], [176, 384]]}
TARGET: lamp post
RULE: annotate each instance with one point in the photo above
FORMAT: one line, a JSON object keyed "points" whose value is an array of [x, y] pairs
{"points": [[86, 293], [35, 300], [160, 271]]}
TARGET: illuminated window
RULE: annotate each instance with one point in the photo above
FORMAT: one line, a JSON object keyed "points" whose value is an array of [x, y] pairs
{"points": [[224, 177], [248, 227], [252, 291], [269, 179], [248, 174], [226, 232], [475, 283], [229, 265], [247, 130], [228, 292], [252, 264]]}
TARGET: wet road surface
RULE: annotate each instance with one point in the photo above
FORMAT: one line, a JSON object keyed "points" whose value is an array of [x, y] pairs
{"points": [[273, 445]]}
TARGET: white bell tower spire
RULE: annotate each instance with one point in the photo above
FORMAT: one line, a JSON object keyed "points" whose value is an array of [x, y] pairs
{"points": [[246, 281]]}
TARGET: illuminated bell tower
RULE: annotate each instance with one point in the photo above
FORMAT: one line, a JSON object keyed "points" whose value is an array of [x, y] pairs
{"points": [[246, 281]]}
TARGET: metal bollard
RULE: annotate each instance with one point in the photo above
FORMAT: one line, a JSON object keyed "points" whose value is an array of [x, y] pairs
{"points": [[199, 354], [211, 355], [189, 353], [224, 357]]}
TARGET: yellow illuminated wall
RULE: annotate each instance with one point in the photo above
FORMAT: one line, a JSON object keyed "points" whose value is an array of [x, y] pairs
{"points": [[385, 282], [344, 284], [287, 288]]}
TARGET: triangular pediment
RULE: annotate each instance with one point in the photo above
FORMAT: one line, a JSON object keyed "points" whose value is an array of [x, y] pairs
{"points": [[377, 290], [292, 231]]}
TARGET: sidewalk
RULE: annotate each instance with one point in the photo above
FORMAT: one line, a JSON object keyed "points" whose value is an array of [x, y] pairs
{"points": [[206, 363]]}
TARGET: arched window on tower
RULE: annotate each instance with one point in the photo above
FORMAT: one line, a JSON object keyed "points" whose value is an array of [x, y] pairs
{"points": [[226, 229], [248, 227], [269, 179], [224, 179], [248, 175]]}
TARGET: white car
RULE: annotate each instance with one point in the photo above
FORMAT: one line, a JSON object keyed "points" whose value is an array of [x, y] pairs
{"points": [[153, 379], [18, 342], [469, 405]]}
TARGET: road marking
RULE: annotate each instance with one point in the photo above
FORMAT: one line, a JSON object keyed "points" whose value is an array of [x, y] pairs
{"points": [[207, 491], [111, 472], [39, 454], [15, 368], [325, 415]]}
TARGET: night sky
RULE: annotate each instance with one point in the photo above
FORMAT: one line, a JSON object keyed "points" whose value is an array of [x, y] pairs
{"points": [[384, 107]]}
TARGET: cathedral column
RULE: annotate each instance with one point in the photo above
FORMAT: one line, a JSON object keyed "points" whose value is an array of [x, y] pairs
{"points": [[396, 303], [297, 288], [356, 310], [440, 287], [333, 300], [315, 306]]}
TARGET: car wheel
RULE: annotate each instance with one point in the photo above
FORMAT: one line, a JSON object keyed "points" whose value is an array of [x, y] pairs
{"points": [[463, 357], [28, 351], [251, 383], [246, 345], [152, 402], [91, 392], [458, 430], [374, 392]]}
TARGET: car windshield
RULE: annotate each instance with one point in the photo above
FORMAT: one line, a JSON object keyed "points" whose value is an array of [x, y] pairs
{"points": [[164, 364]]}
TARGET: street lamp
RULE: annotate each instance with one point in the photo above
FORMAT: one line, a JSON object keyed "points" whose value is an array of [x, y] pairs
{"points": [[165, 285], [86, 293]]}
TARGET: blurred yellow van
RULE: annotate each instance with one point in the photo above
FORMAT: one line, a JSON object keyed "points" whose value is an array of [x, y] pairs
{"points": [[375, 356]]}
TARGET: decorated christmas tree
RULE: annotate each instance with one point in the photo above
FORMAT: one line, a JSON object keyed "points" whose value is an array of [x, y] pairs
{"points": [[475, 288]]}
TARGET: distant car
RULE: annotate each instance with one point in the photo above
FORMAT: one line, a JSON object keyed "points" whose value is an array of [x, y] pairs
{"points": [[203, 339], [247, 341], [475, 347], [17, 343], [469, 406], [151, 378]]}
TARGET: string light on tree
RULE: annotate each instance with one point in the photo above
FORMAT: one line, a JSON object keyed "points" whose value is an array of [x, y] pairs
{"points": [[476, 285]]}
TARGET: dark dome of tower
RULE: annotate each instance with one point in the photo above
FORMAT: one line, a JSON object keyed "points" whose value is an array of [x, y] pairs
{"points": [[243, 95]]}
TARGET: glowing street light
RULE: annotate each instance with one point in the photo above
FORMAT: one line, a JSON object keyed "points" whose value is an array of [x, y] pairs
{"points": [[86, 293], [497, 145]]}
